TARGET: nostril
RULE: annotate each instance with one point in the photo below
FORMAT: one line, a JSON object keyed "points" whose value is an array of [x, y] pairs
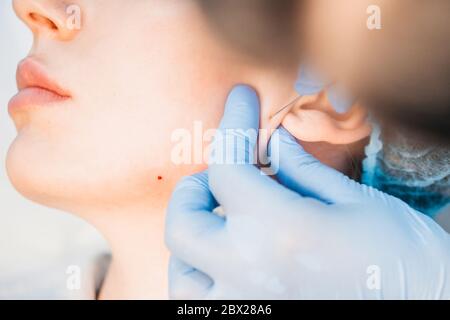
{"points": [[39, 19]]}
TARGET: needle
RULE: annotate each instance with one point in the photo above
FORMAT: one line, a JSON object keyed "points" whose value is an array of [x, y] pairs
{"points": [[287, 106]]}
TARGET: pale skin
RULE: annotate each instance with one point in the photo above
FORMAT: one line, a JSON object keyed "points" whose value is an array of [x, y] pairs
{"points": [[136, 71]]}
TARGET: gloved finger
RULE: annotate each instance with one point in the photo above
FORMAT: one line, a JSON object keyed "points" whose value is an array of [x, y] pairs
{"points": [[308, 82], [302, 173], [233, 177], [237, 135], [193, 232], [339, 99], [186, 282]]}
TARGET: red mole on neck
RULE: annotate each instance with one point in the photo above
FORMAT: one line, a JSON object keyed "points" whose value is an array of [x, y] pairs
{"points": [[160, 178]]}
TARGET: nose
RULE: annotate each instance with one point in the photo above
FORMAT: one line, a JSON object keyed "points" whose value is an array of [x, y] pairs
{"points": [[52, 18]]}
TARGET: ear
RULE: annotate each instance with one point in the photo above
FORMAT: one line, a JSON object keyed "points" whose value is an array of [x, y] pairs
{"points": [[312, 119]]}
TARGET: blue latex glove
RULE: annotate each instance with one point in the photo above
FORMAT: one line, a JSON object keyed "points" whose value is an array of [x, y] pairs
{"points": [[309, 83], [318, 234]]}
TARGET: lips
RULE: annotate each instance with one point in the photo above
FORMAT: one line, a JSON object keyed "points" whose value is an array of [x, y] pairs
{"points": [[36, 88]]}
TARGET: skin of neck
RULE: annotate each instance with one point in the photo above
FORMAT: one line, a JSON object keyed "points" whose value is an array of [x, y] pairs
{"points": [[135, 234], [134, 230]]}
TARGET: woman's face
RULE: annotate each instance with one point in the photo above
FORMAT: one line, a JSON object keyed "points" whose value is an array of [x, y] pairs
{"points": [[135, 71], [130, 76]]}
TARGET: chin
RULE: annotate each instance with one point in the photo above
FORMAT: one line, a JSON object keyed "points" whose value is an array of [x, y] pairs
{"points": [[37, 180], [59, 185], [56, 180], [28, 179]]}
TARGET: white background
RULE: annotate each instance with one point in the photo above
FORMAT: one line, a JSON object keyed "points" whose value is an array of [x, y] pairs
{"points": [[36, 243]]}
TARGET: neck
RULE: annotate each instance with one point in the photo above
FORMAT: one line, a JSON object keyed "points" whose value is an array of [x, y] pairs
{"points": [[135, 234]]}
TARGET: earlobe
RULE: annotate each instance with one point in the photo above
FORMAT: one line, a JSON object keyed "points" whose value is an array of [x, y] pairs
{"points": [[316, 121]]}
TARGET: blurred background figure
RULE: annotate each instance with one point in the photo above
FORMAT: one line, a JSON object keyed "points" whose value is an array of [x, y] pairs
{"points": [[39, 248], [401, 69]]}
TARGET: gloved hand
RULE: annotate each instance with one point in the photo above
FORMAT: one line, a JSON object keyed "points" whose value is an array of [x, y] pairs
{"points": [[309, 83], [314, 234]]}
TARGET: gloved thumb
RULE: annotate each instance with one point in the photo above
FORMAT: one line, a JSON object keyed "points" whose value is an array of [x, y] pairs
{"points": [[234, 180]]}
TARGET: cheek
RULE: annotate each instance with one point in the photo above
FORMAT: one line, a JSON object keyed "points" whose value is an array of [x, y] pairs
{"points": [[86, 157], [115, 142], [113, 147]]}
